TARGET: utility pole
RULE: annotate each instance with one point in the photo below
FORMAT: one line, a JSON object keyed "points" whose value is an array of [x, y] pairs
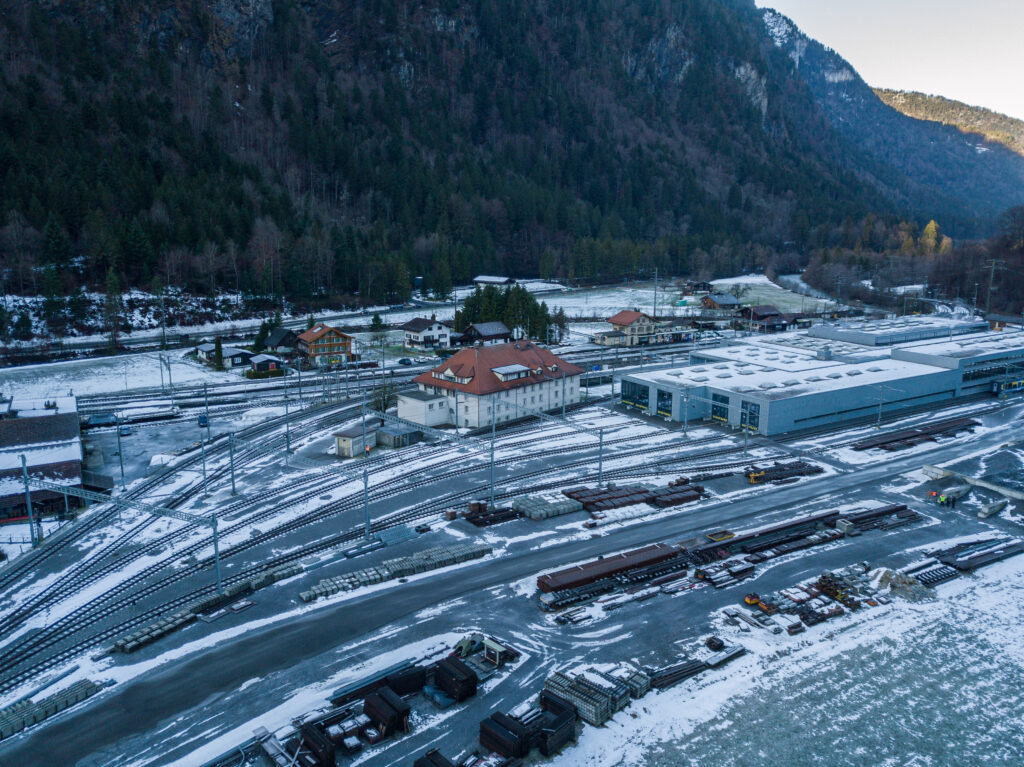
{"points": [[362, 413], [231, 449], [686, 410], [992, 264], [206, 404], [600, 458], [28, 503], [366, 501], [216, 554], [202, 444], [287, 425], [120, 455], [563, 395], [493, 420]]}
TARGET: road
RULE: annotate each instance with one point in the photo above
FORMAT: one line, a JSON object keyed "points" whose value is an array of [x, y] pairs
{"points": [[95, 732]]}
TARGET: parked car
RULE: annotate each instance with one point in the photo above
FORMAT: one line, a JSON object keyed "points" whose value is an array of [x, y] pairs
{"points": [[124, 430], [203, 421], [405, 361]]}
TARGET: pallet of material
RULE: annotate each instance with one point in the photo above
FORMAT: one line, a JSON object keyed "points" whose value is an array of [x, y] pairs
{"points": [[669, 676], [455, 678], [495, 736]]}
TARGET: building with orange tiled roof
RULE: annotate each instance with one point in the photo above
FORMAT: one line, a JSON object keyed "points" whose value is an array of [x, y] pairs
{"points": [[322, 343], [503, 382]]}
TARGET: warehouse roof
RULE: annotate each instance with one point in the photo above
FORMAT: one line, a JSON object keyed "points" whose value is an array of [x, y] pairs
{"points": [[473, 370], [762, 382]]}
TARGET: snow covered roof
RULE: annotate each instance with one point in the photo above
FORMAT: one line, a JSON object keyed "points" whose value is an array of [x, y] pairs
{"points": [[761, 382], [33, 407], [41, 454], [265, 358]]}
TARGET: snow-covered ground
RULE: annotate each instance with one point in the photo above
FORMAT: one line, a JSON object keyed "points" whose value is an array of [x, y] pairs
{"points": [[106, 375], [931, 684]]}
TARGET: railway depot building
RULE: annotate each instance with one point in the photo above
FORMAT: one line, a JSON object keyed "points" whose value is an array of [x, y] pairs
{"points": [[833, 375], [498, 383], [47, 433]]}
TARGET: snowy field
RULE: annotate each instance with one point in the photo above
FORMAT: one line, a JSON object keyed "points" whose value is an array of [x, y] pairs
{"points": [[106, 375]]}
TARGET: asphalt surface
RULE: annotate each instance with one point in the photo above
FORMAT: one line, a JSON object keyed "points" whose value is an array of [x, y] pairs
{"points": [[122, 723]]}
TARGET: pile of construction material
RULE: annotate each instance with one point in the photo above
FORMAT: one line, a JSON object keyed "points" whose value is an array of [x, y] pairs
{"points": [[724, 574], [607, 498], [582, 575], [173, 621], [969, 556], [782, 472], [548, 725], [599, 693], [546, 505], [664, 497], [909, 437], [25, 713], [482, 515], [718, 653], [400, 567]]}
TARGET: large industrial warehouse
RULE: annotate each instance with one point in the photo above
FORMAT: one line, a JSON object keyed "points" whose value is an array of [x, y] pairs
{"points": [[829, 376]]}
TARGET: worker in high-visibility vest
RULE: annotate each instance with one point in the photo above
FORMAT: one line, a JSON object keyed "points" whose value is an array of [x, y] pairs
{"points": [[942, 500]]}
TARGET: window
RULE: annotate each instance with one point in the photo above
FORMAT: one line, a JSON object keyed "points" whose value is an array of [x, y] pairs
{"points": [[720, 407], [750, 415], [430, 406]]}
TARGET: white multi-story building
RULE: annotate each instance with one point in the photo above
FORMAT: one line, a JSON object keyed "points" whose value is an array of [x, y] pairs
{"points": [[421, 333], [502, 383]]}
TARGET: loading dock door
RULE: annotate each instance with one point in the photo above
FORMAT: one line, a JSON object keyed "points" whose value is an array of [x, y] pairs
{"points": [[720, 407]]}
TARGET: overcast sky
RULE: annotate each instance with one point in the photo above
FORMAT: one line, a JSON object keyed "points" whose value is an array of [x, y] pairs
{"points": [[971, 51]]}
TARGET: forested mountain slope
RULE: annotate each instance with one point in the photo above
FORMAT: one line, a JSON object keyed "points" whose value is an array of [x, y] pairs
{"points": [[994, 126], [320, 149]]}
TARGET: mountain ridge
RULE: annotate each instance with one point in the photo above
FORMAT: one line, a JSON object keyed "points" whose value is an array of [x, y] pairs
{"points": [[988, 123], [336, 151]]}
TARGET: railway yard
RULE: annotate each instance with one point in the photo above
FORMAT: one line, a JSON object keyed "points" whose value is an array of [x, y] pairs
{"points": [[481, 597]]}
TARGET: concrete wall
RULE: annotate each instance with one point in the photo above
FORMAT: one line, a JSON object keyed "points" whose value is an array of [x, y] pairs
{"points": [[512, 405], [433, 413]]}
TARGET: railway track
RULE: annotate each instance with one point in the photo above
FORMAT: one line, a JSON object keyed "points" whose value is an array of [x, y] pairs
{"points": [[92, 572], [68, 535], [111, 604], [15, 659]]}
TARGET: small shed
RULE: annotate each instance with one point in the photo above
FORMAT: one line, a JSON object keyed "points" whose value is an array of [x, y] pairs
{"points": [[349, 442], [264, 363], [204, 351], [394, 435]]}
